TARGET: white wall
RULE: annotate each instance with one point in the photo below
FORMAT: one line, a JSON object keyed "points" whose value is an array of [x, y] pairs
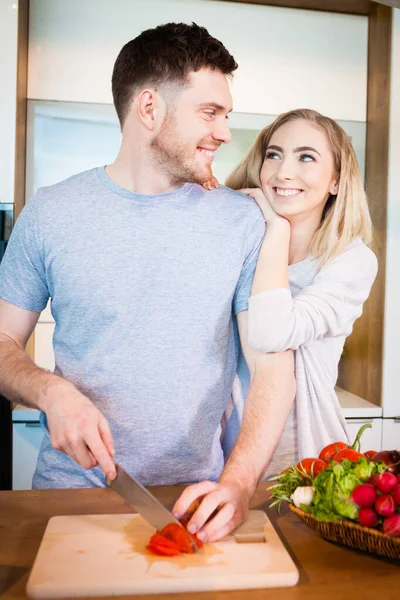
{"points": [[8, 70], [287, 58], [391, 391]]}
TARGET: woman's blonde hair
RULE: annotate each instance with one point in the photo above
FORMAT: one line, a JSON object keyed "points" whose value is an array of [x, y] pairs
{"points": [[346, 215]]}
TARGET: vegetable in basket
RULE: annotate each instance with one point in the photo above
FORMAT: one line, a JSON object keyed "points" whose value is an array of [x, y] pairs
{"points": [[356, 488]]}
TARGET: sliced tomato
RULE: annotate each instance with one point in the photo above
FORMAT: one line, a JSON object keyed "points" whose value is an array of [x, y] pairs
{"points": [[179, 535], [348, 453], [331, 449], [173, 540], [159, 544], [199, 543], [196, 540], [163, 550], [370, 454], [159, 540], [311, 467]]}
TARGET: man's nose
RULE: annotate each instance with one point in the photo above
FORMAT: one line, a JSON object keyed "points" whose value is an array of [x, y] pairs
{"points": [[223, 133]]}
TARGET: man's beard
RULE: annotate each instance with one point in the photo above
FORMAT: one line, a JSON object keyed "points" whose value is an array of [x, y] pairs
{"points": [[172, 155]]}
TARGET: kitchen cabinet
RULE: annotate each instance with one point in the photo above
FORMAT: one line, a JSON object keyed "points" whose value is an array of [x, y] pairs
{"points": [[391, 434], [27, 438], [357, 412], [27, 432]]}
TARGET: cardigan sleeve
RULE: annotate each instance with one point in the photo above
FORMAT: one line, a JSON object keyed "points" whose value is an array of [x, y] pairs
{"points": [[279, 321]]}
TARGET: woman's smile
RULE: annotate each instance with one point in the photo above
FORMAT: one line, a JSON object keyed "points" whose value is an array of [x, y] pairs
{"points": [[287, 192]]}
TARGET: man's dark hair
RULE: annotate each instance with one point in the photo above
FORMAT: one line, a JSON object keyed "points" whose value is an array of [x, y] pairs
{"points": [[166, 54]]}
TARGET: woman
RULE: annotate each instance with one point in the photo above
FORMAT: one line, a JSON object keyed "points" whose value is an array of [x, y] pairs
{"points": [[314, 272]]}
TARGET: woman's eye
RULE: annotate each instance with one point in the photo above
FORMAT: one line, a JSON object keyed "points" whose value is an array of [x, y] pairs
{"points": [[209, 113], [272, 155], [306, 158]]}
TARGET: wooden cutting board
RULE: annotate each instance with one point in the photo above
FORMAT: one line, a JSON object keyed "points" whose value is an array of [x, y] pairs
{"points": [[104, 555]]}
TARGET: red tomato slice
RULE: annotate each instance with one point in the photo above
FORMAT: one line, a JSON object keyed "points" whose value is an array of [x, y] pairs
{"points": [[348, 453], [162, 550], [311, 466], [184, 521], [178, 535], [159, 540], [163, 546], [173, 540], [331, 449]]}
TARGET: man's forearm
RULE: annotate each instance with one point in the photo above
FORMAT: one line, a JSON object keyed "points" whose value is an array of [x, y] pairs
{"points": [[267, 407], [21, 381]]}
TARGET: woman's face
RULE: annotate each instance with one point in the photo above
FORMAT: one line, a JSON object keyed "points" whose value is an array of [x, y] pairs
{"points": [[298, 172]]}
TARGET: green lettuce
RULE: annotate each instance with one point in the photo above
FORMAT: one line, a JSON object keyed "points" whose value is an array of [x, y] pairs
{"points": [[334, 486]]}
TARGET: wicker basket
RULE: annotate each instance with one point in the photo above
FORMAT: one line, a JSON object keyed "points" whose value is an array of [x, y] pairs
{"points": [[353, 535]]}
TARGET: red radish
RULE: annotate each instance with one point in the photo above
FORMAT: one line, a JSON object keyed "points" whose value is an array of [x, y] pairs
{"points": [[367, 517], [391, 458], [385, 506], [391, 525], [398, 478], [364, 495], [373, 479], [396, 494], [385, 482]]}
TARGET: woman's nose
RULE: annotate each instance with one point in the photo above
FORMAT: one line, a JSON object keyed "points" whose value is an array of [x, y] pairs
{"points": [[286, 170]]}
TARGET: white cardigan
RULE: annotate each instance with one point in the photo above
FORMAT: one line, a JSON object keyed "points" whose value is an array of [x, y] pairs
{"points": [[313, 318]]}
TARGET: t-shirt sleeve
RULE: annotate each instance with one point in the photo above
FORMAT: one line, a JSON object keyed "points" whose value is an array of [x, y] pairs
{"points": [[22, 270], [279, 321], [255, 237]]}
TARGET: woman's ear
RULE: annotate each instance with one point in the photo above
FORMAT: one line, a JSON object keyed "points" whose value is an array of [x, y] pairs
{"points": [[333, 190]]}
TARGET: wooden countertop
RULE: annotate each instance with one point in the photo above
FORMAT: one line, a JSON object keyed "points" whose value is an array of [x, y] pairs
{"points": [[327, 570]]}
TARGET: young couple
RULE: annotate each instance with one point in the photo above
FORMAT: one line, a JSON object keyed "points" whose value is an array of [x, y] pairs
{"points": [[147, 327]]}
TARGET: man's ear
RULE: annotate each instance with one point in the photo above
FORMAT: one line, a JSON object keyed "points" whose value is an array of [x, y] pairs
{"points": [[150, 107]]}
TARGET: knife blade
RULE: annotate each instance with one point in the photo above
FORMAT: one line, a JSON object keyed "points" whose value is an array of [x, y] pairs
{"points": [[143, 501]]}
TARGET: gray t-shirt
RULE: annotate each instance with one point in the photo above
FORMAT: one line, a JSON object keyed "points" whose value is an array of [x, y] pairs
{"points": [[143, 291]]}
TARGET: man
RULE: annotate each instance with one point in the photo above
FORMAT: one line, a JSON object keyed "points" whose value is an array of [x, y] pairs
{"points": [[144, 337]]}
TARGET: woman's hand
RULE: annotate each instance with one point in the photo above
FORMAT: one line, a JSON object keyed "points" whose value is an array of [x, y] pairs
{"points": [[213, 183], [268, 212]]}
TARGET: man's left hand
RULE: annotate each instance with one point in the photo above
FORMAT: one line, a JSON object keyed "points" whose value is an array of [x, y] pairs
{"points": [[223, 507]]}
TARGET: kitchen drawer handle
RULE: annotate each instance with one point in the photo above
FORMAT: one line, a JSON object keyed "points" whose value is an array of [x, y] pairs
{"points": [[360, 421], [33, 424]]}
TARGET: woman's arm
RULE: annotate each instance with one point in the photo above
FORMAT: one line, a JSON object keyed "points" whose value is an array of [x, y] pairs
{"points": [[329, 307], [272, 266]]}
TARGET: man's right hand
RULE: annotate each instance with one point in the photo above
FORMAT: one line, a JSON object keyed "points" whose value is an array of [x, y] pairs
{"points": [[78, 428]]}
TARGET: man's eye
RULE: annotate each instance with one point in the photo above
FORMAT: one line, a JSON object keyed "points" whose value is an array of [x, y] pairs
{"points": [[272, 155], [306, 158]]}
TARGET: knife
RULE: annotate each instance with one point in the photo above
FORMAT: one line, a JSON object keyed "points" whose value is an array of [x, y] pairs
{"points": [[144, 502]]}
